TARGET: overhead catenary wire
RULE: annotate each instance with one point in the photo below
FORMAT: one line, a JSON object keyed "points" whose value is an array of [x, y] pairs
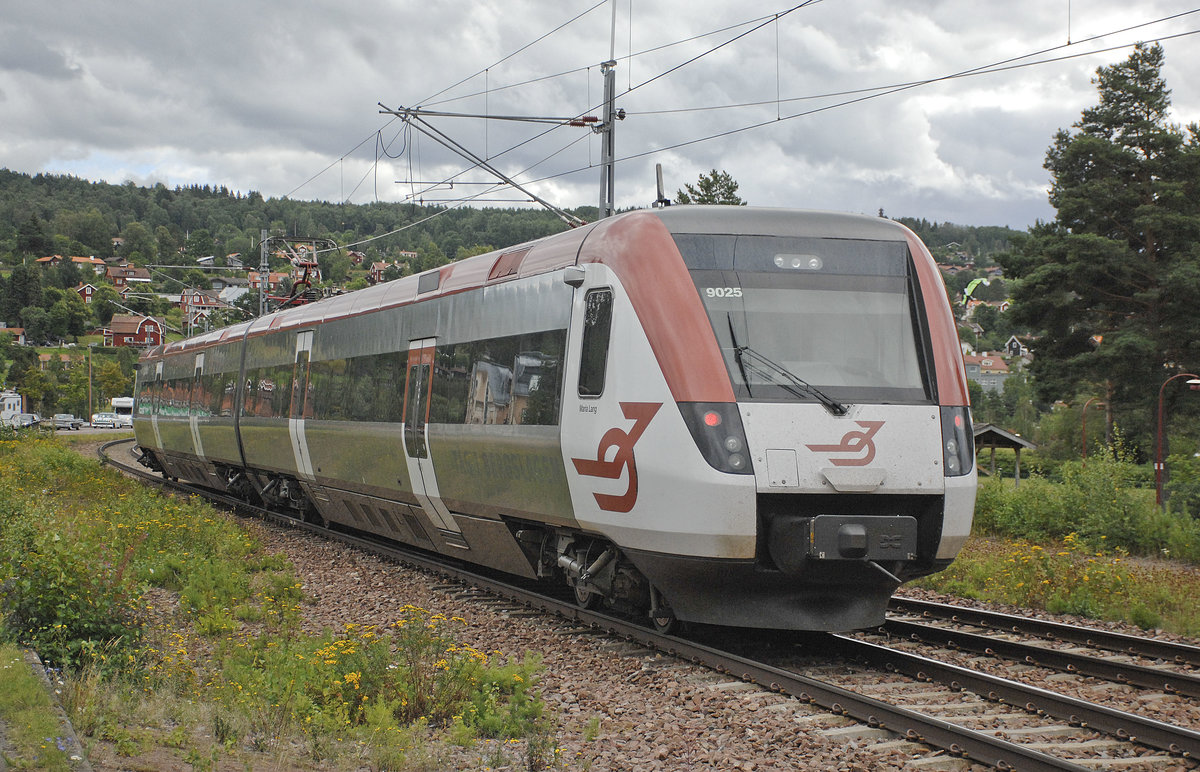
{"points": [[523, 48], [870, 93], [628, 59], [430, 100], [864, 94], [881, 91], [414, 118], [759, 23], [999, 66], [505, 58]]}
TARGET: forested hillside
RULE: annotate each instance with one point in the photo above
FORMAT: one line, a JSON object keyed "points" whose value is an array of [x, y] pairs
{"points": [[50, 214], [946, 240]]}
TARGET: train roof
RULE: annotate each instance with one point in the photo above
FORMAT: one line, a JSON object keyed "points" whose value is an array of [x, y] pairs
{"points": [[752, 220], [544, 255]]}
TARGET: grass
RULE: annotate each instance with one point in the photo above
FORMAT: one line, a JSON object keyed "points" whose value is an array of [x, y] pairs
{"points": [[1068, 577], [177, 632], [34, 729], [1091, 541]]}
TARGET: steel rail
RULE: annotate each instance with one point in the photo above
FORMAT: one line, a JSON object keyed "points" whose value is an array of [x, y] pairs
{"points": [[1088, 636], [1184, 684], [1126, 726]]}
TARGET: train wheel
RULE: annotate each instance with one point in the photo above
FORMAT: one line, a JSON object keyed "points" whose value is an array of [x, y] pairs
{"points": [[661, 616], [585, 598], [664, 624]]}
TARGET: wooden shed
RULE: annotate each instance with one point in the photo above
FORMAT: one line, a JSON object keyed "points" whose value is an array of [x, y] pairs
{"points": [[988, 436]]}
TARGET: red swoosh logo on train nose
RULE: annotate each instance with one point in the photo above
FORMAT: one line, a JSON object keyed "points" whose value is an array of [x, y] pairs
{"points": [[853, 442], [641, 414]]}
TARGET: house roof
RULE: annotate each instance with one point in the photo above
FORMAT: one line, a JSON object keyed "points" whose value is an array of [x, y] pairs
{"points": [[127, 324], [89, 260], [130, 273], [987, 435], [195, 297], [994, 362]]}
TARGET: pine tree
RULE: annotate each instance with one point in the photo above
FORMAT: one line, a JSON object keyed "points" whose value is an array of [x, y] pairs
{"points": [[1109, 286], [716, 187]]}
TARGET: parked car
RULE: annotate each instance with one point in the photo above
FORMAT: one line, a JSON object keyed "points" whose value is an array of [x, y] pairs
{"points": [[24, 420], [108, 420], [67, 421]]}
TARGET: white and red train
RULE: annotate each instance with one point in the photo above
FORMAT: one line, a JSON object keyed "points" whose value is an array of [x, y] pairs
{"points": [[724, 415]]}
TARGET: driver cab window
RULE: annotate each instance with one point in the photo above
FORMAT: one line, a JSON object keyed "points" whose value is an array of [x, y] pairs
{"points": [[597, 326]]}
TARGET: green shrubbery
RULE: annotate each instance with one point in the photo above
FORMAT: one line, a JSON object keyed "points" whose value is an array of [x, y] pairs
{"points": [[1065, 544], [1102, 503], [84, 551]]}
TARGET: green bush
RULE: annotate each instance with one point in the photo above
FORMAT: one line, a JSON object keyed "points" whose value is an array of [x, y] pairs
{"points": [[69, 600], [1107, 504], [71, 597], [375, 682], [81, 548], [1183, 485]]}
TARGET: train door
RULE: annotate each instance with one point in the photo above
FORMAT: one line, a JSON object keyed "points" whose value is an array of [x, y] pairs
{"points": [[197, 403], [416, 441], [304, 467], [156, 397]]}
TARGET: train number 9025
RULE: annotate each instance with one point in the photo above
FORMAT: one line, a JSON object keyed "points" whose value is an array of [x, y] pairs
{"points": [[723, 292]]}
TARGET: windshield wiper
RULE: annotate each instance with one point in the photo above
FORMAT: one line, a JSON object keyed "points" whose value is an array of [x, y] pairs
{"points": [[737, 355], [749, 359]]}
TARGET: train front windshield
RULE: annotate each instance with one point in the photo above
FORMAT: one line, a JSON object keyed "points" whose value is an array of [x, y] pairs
{"points": [[839, 314]]}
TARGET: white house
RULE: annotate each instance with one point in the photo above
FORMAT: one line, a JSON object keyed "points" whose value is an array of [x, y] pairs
{"points": [[10, 403]]}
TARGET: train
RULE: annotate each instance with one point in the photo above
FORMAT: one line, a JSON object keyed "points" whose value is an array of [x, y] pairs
{"points": [[735, 416]]}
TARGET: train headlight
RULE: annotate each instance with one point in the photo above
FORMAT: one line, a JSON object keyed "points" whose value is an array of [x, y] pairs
{"points": [[799, 262], [958, 441], [717, 430]]}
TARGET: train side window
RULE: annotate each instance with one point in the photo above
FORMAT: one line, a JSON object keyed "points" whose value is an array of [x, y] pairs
{"points": [[597, 327]]}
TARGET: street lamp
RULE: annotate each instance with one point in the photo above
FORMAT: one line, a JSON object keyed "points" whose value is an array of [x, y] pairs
{"points": [[1194, 383], [89, 407], [1085, 409]]}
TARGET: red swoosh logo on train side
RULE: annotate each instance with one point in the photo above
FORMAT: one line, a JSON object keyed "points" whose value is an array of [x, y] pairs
{"points": [[641, 414], [853, 442]]}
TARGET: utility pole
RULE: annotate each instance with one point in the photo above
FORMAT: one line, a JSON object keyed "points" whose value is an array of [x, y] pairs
{"points": [[608, 147], [607, 139], [264, 268]]}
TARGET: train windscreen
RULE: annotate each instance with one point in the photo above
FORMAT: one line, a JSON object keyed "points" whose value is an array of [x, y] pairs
{"points": [[837, 314]]}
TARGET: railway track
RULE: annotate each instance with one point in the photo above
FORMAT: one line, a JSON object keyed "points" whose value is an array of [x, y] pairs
{"points": [[969, 715]]}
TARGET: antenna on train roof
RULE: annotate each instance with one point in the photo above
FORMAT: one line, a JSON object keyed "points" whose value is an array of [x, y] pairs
{"points": [[662, 199]]}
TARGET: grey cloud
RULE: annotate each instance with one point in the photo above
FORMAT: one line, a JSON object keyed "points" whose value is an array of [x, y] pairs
{"points": [[235, 92], [23, 52]]}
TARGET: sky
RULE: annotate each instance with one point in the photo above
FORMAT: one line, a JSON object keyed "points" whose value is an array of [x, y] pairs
{"points": [[841, 105]]}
